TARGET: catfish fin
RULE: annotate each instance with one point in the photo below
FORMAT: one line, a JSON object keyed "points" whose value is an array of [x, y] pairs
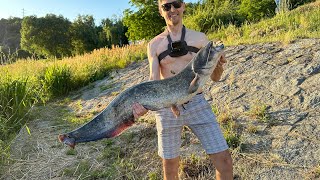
{"points": [[175, 110], [194, 85]]}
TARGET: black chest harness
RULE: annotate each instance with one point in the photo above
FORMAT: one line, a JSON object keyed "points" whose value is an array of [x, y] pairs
{"points": [[177, 48]]}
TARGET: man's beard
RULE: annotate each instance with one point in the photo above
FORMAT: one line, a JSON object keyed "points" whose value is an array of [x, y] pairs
{"points": [[175, 21]]}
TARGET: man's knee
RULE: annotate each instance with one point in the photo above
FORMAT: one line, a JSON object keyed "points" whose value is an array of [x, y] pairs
{"points": [[171, 164], [170, 168], [222, 160]]}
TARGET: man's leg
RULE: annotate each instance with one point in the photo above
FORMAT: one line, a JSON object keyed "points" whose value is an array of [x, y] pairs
{"points": [[222, 161], [169, 141], [170, 168]]}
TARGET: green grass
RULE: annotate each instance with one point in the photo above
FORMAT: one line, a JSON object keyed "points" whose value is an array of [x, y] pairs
{"points": [[303, 22], [27, 82], [17, 97]]}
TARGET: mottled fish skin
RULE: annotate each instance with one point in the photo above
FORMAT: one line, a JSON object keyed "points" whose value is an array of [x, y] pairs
{"points": [[153, 95]]}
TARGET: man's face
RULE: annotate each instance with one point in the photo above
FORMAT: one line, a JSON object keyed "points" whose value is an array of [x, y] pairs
{"points": [[171, 11]]}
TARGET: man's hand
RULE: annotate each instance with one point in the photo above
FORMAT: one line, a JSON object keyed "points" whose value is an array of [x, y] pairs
{"points": [[217, 72], [138, 110]]}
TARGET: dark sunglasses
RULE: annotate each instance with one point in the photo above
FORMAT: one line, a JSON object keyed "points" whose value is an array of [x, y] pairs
{"points": [[175, 4]]}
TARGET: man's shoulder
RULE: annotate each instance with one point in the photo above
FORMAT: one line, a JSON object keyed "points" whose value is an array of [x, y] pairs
{"points": [[196, 38], [196, 34], [157, 40]]}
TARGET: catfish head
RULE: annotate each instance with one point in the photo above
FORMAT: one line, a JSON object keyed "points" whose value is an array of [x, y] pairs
{"points": [[203, 65], [207, 59]]}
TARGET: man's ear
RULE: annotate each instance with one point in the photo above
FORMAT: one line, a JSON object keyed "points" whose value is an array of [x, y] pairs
{"points": [[184, 7], [160, 12]]}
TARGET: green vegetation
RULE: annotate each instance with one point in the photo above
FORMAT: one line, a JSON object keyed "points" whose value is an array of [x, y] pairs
{"points": [[17, 97], [145, 23], [252, 128], [259, 112], [27, 82], [303, 22], [33, 36]]}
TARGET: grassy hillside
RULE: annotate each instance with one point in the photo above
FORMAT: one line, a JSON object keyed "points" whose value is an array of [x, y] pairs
{"points": [[303, 22]]}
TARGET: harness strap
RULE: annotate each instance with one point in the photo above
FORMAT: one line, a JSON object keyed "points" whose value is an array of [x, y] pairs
{"points": [[168, 51], [192, 49]]}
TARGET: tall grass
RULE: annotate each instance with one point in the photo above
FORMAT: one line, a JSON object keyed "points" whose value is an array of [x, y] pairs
{"points": [[17, 96], [303, 22], [26, 82], [211, 15]]}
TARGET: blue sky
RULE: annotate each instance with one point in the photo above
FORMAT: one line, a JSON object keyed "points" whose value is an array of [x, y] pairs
{"points": [[67, 8]]}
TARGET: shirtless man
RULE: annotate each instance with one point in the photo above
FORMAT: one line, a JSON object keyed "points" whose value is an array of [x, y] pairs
{"points": [[168, 55]]}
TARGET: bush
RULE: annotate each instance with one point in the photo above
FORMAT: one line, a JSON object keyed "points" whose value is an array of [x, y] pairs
{"points": [[254, 10]]}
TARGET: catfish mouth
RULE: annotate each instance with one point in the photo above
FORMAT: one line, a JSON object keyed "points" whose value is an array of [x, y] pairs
{"points": [[210, 57], [66, 139]]}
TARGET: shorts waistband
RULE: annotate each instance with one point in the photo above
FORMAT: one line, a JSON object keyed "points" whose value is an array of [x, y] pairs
{"points": [[189, 101]]}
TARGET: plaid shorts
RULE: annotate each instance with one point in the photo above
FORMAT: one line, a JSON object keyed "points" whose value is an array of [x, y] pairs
{"points": [[198, 116]]}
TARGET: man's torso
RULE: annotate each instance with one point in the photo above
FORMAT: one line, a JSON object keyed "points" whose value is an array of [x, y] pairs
{"points": [[169, 66]]}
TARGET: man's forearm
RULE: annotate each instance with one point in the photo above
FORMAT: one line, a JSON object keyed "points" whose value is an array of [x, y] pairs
{"points": [[217, 73]]}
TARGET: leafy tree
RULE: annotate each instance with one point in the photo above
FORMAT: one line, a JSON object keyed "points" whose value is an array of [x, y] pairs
{"points": [[47, 36], [102, 39], [84, 37], [254, 10], [296, 3], [114, 31], [10, 49], [10, 33], [146, 22]]}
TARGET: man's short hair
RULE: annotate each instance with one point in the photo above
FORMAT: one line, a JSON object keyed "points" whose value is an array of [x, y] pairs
{"points": [[159, 1]]}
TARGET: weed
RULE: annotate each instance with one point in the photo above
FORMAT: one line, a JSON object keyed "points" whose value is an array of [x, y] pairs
{"points": [[111, 152], [259, 112], [194, 167], [154, 176], [215, 109], [108, 142], [229, 128], [252, 128], [115, 93], [225, 117], [232, 138], [68, 171], [66, 100], [99, 174], [79, 105], [71, 152], [105, 87], [81, 169], [317, 172]]}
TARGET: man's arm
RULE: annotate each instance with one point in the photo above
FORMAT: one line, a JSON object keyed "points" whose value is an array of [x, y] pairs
{"points": [[217, 72], [137, 109], [153, 62]]}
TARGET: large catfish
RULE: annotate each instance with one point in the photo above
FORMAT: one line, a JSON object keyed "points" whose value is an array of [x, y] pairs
{"points": [[153, 95]]}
